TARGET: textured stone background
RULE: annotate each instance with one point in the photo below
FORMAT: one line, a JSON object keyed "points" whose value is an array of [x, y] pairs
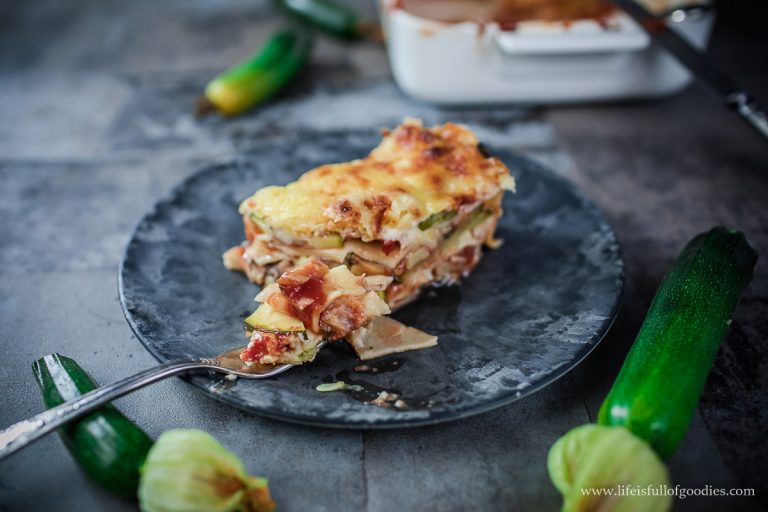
{"points": [[96, 100]]}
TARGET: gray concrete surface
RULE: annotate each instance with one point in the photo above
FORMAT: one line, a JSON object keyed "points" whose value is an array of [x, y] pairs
{"points": [[95, 102]]}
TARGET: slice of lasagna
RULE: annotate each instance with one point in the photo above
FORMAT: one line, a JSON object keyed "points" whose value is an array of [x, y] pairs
{"points": [[308, 305], [416, 210]]}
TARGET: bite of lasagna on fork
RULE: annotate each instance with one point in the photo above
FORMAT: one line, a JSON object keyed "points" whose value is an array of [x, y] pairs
{"points": [[309, 305]]}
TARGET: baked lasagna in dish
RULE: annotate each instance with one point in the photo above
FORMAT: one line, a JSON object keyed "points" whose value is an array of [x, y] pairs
{"points": [[413, 213]]}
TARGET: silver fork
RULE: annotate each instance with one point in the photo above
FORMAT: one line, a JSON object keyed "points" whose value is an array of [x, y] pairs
{"points": [[20, 434]]}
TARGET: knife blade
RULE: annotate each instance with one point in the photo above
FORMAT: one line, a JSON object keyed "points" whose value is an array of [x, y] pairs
{"points": [[735, 96]]}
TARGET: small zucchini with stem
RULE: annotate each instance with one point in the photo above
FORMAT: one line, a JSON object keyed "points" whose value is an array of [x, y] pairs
{"points": [[262, 75], [659, 385], [648, 409], [108, 446]]}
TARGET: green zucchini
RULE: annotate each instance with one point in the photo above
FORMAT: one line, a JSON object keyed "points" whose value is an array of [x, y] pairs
{"points": [[332, 18], [334, 241], [437, 218], [266, 318], [261, 222], [245, 85], [107, 446], [659, 385], [462, 236]]}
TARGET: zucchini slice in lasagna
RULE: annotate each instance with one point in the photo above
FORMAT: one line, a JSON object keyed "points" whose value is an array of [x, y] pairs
{"points": [[308, 305], [417, 209]]}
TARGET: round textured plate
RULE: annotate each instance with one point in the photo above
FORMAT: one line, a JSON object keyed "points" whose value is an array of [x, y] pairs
{"points": [[529, 313]]}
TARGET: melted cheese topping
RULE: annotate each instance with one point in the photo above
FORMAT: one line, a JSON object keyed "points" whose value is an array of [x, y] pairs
{"points": [[414, 173]]}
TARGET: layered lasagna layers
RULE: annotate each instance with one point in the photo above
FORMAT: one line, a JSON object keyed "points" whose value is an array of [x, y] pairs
{"points": [[309, 305], [417, 210]]}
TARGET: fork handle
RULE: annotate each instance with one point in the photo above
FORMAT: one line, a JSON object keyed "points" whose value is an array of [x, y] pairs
{"points": [[20, 434]]}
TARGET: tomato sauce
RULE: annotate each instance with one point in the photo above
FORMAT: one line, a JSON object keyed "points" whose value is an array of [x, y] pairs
{"points": [[389, 246], [303, 288], [507, 13], [264, 344]]}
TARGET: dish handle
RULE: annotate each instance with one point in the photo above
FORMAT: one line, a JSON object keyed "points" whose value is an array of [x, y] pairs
{"points": [[581, 37]]}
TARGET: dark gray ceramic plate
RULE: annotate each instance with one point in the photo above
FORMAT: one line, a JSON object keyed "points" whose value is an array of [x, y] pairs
{"points": [[529, 313]]}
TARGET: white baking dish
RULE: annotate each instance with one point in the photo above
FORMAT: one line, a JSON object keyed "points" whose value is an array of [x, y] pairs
{"points": [[538, 62]]}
